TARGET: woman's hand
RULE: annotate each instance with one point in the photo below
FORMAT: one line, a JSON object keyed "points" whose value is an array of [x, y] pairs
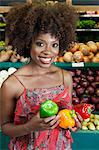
{"points": [[78, 121], [40, 124]]}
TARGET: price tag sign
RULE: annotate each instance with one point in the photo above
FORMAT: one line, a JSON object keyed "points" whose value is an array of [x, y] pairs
{"points": [[80, 64]]}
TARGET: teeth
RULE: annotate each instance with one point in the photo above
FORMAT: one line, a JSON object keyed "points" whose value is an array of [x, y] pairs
{"points": [[48, 59], [45, 60]]}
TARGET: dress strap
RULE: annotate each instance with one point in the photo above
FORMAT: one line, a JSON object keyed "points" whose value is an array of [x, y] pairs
{"points": [[63, 76], [19, 81]]}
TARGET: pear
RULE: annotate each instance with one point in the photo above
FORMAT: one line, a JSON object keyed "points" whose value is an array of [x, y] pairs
{"points": [[84, 123], [91, 126], [92, 116], [96, 122], [84, 128], [97, 127], [96, 116]]}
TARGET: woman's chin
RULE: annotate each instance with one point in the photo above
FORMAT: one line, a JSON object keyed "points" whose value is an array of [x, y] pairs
{"points": [[47, 65]]}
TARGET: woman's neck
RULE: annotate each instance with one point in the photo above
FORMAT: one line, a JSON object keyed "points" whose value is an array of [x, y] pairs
{"points": [[40, 70]]}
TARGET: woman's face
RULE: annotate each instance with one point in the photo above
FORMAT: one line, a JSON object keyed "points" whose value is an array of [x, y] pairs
{"points": [[44, 50]]}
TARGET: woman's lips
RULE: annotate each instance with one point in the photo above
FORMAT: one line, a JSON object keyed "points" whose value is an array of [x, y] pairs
{"points": [[45, 60]]}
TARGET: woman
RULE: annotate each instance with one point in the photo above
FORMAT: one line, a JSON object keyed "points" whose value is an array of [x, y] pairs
{"points": [[41, 31]]}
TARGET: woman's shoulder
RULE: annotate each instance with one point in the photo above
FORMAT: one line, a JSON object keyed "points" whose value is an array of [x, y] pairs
{"points": [[67, 77], [21, 71], [9, 81], [11, 84], [67, 73]]}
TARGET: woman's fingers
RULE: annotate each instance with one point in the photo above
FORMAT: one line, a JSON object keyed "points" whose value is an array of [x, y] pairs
{"points": [[55, 125], [54, 120], [46, 120], [79, 117], [78, 123], [72, 129], [51, 122]]}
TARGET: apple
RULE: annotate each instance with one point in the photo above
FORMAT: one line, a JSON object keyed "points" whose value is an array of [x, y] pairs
{"points": [[84, 84], [97, 72], [74, 84], [97, 106], [85, 99], [97, 91], [93, 84], [74, 94], [90, 72], [90, 78], [83, 76], [76, 79], [80, 90], [75, 100], [90, 90], [78, 72], [94, 99], [97, 78]]}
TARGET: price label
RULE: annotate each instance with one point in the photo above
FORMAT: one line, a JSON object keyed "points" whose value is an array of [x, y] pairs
{"points": [[80, 64]]}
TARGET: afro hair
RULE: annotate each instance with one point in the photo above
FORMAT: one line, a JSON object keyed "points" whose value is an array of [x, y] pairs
{"points": [[26, 21]]}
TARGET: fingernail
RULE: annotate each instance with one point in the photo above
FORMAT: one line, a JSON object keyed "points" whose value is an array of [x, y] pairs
{"points": [[53, 116], [58, 116]]}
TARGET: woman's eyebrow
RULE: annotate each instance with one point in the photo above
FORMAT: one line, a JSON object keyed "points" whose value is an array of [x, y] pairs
{"points": [[44, 40]]}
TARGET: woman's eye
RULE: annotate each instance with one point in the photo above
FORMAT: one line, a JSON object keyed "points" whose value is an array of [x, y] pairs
{"points": [[40, 44], [55, 45]]}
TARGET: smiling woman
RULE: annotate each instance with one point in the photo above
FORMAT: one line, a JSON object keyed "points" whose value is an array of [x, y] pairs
{"points": [[42, 31], [44, 49]]}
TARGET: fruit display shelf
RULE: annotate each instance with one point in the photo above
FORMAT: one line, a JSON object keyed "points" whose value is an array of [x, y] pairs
{"points": [[81, 30], [80, 65], [6, 65], [82, 140], [85, 140]]}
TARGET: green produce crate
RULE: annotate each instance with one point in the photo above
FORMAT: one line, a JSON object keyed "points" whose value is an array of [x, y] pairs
{"points": [[86, 140], [83, 140], [4, 140]]}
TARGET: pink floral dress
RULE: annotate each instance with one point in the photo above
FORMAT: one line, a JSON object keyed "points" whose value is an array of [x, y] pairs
{"points": [[28, 105]]}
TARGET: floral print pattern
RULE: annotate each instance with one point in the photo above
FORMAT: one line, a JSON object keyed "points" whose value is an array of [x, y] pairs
{"points": [[28, 105]]}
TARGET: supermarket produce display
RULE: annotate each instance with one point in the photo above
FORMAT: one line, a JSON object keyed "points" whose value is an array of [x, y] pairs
{"points": [[82, 59], [91, 123], [85, 86], [81, 52], [10, 54]]}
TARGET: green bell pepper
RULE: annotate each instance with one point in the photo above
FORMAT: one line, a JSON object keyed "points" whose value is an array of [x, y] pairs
{"points": [[48, 108]]}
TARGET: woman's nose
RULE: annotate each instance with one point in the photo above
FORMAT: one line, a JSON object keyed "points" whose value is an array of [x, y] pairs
{"points": [[47, 50]]}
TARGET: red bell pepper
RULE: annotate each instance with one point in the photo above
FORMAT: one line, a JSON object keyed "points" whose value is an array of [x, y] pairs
{"points": [[84, 110]]}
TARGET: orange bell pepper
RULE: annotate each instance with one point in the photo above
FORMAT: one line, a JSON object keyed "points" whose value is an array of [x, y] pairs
{"points": [[67, 118]]}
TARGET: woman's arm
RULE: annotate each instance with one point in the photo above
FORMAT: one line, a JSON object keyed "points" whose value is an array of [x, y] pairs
{"points": [[9, 92], [68, 81]]}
